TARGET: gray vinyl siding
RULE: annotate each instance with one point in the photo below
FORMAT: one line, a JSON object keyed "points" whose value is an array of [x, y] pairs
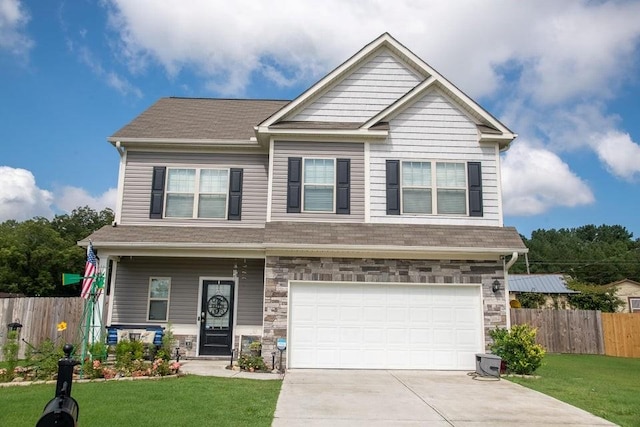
{"points": [[130, 297], [283, 150], [434, 128], [139, 171], [363, 93]]}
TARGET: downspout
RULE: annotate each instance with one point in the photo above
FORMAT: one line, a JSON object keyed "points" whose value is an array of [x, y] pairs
{"points": [[119, 148], [514, 258], [507, 266]]}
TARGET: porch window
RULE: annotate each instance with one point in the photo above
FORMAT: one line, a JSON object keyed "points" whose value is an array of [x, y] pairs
{"points": [[159, 291], [196, 193]]}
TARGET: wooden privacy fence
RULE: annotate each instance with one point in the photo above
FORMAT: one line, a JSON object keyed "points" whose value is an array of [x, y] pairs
{"points": [[39, 318], [564, 331], [621, 334]]}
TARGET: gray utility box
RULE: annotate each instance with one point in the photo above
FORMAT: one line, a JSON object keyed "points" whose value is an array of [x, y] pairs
{"points": [[488, 365]]}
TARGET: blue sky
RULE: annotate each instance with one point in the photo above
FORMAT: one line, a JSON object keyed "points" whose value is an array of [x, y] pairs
{"points": [[564, 75]]}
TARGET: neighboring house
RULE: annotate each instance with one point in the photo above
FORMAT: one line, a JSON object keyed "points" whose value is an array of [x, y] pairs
{"points": [[552, 286], [361, 221], [628, 291]]}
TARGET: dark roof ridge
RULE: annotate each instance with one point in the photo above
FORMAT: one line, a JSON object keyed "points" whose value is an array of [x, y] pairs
{"points": [[225, 99]]}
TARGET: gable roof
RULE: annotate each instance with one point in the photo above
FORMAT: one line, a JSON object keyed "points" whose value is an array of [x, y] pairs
{"points": [[497, 132], [541, 283], [201, 119], [620, 282]]}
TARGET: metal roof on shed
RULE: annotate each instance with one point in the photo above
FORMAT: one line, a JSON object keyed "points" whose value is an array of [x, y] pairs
{"points": [[542, 283]]}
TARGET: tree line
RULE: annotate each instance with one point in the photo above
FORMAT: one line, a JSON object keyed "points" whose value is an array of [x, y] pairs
{"points": [[34, 253], [589, 254]]}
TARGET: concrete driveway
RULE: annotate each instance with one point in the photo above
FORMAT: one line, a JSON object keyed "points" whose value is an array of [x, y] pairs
{"points": [[416, 398]]}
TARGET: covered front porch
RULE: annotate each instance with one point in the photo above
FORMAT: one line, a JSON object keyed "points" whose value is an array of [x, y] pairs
{"points": [[206, 284]]}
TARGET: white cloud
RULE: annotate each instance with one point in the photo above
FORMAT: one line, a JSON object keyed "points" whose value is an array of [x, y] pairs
{"points": [[560, 49], [13, 19], [20, 197], [69, 198], [110, 78], [534, 180], [549, 66], [619, 153]]}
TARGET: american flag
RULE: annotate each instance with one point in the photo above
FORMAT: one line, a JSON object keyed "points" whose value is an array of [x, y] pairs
{"points": [[90, 270]]}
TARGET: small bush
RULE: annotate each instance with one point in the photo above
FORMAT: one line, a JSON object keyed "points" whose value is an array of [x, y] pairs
{"points": [[251, 363], [127, 352], [10, 351], [44, 359], [532, 300], [518, 348]]}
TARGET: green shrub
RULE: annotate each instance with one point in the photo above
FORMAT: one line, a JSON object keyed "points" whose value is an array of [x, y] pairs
{"points": [[518, 348], [10, 352], [127, 352], [532, 300], [44, 359], [165, 351], [251, 363]]}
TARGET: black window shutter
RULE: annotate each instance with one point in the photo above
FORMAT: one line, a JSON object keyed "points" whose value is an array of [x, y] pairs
{"points": [[393, 187], [343, 186], [294, 184], [235, 194], [474, 172], [157, 192]]}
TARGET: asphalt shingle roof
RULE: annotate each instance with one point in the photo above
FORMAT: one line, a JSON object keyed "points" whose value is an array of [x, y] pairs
{"points": [[200, 118], [292, 234]]}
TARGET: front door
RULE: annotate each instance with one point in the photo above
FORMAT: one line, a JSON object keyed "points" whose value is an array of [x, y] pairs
{"points": [[216, 317]]}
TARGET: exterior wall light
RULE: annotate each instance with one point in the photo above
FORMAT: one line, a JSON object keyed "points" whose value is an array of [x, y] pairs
{"points": [[495, 287]]}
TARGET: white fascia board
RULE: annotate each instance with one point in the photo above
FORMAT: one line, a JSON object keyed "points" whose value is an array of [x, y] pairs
{"points": [[503, 141], [170, 250], [453, 89], [328, 133], [328, 79], [385, 40], [388, 251], [401, 103], [180, 142], [120, 196]]}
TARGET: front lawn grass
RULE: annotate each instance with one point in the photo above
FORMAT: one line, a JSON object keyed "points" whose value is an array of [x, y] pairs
{"points": [[608, 387], [190, 400]]}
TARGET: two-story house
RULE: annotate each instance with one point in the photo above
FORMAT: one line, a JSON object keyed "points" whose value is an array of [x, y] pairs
{"points": [[361, 221]]}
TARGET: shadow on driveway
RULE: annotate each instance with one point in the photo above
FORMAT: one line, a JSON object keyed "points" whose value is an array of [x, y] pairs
{"points": [[416, 398]]}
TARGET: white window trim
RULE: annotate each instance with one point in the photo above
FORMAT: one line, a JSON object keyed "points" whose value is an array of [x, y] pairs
{"points": [[149, 299], [303, 185], [434, 188], [196, 194], [631, 309]]}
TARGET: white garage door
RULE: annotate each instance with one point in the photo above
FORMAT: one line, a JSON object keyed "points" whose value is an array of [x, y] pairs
{"points": [[384, 326]]}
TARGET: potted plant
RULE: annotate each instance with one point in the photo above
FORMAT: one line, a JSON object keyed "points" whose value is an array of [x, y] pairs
{"points": [[255, 348]]}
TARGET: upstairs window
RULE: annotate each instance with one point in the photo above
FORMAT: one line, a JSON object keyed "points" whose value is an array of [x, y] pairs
{"points": [[426, 185], [196, 193], [429, 188], [318, 185]]}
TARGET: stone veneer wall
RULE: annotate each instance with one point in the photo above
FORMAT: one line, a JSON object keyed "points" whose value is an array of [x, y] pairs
{"points": [[279, 270]]}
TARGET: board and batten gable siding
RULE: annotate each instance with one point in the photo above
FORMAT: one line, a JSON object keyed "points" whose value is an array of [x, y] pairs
{"points": [[139, 172], [433, 128], [285, 149], [130, 298], [366, 91]]}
